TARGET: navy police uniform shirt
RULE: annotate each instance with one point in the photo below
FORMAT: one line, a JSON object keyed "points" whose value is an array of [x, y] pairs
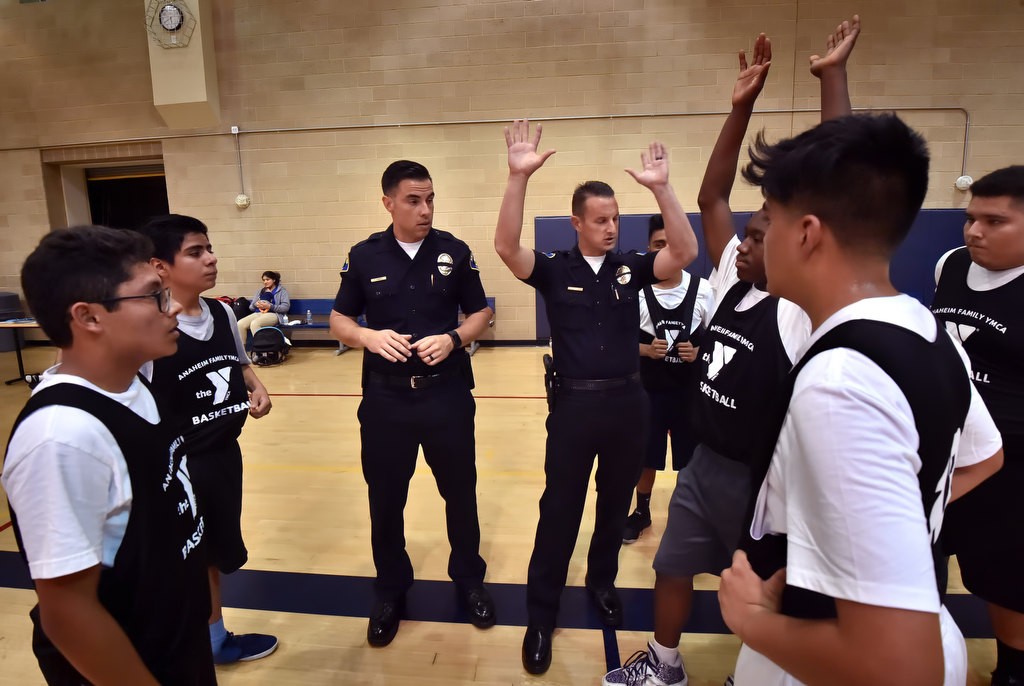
{"points": [[593, 316], [419, 296]]}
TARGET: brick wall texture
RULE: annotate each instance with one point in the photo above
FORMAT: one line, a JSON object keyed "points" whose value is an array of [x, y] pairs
{"points": [[450, 72]]}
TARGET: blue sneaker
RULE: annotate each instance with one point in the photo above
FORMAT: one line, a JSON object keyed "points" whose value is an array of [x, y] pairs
{"points": [[244, 647]]}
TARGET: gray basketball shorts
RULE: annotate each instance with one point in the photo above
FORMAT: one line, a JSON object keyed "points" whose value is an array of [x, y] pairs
{"points": [[705, 516]]}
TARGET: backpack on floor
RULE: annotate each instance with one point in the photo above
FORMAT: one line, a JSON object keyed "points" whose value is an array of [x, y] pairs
{"points": [[269, 346], [240, 306]]}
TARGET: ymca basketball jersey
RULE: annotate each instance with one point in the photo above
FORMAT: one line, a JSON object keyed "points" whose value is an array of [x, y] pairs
{"points": [[675, 326], [990, 326], [931, 377], [157, 588], [741, 368], [203, 385]]}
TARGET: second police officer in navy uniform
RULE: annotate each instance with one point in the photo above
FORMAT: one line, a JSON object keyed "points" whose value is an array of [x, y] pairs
{"points": [[600, 407], [410, 281]]}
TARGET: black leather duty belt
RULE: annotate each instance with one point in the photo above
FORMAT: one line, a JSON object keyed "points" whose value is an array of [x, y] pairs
{"points": [[564, 384], [416, 383]]}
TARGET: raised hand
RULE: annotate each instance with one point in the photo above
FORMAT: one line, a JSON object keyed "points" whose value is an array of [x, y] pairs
{"points": [[523, 157], [838, 47], [752, 77], [655, 166]]}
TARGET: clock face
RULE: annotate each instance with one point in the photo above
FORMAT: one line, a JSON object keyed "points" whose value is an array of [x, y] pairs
{"points": [[171, 17]]}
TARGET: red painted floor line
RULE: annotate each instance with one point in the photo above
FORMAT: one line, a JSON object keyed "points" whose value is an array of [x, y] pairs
{"points": [[4, 526], [359, 395]]}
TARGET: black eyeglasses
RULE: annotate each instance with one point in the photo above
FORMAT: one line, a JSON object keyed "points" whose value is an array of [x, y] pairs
{"points": [[162, 298]]}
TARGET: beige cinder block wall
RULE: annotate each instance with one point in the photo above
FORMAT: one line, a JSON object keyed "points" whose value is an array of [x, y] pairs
{"points": [[76, 74]]}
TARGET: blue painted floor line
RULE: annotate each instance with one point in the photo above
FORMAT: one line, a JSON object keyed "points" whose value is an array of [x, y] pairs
{"points": [[437, 601]]}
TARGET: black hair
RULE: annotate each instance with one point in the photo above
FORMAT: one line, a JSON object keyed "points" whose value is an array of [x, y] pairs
{"points": [[865, 176], [275, 276], [655, 223], [399, 171], [168, 233], [1007, 181], [79, 264], [586, 190]]}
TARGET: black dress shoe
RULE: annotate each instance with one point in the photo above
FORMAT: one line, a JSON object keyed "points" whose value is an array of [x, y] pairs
{"points": [[384, 620], [609, 607], [537, 649], [480, 607]]}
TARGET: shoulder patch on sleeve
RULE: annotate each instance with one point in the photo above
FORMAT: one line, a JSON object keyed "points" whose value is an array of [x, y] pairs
{"points": [[549, 255], [344, 267], [472, 263]]}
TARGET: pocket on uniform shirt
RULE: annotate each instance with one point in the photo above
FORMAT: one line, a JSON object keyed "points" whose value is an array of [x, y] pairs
{"points": [[572, 310]]}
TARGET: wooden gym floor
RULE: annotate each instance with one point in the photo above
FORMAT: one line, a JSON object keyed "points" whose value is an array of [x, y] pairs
{"points": [[308, 578]]}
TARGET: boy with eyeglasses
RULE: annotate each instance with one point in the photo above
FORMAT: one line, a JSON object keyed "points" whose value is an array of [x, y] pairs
{"points": [[212, 387], [100, 496]]}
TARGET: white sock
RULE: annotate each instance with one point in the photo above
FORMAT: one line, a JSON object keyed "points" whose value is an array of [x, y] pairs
{"points": [[669, 656]]}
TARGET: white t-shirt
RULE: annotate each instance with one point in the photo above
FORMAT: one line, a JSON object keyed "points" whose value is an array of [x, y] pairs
{"points": [[979, 278], [868, 541], [794, 324], [68, 481], [670, 298], [200, 327], [410, 248]]}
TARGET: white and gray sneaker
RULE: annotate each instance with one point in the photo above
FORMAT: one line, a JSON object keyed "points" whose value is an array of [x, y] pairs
{"points": [[644, 669]]}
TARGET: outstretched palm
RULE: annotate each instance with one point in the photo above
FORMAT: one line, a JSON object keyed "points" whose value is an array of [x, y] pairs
{"points": [[523, 157], [655, 166], [838, 47], [752, 77]]}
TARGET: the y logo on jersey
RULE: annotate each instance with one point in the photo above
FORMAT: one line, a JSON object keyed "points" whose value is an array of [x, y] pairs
{"points": [[221, 380], [960, 332], [942, 492], [720, 356], [186, 482]]}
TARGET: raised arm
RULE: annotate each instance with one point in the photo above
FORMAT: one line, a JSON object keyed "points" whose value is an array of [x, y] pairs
{"points": [[523, 160], [831, 69], [681, 244], [713, 197]]}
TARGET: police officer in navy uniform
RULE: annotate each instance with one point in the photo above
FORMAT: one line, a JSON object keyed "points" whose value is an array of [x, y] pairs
{"points": [[410, 281], [600, 407]]}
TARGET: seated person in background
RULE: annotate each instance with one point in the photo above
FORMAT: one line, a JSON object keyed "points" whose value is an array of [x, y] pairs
{"points": [[269, 306]]}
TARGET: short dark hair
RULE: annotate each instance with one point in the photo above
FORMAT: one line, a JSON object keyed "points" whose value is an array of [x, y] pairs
{"points": [[168, 233], [275, 276], [401, 170], [586, 190], [655, 223], [1007, 181], [865, 176], [79, 264]]}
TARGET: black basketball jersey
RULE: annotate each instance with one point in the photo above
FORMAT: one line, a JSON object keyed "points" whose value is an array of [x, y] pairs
{"points": [[742, 367], [675, 326], [932, 377], [157, 588], [990, 325], [203, 385]]}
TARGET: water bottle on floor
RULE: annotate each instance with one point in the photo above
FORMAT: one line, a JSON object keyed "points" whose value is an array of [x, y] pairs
{"points": [[309, 317]]}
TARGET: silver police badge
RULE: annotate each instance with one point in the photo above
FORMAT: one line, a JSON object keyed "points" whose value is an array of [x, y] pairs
{"points": [[444, 264], [623, 275]]}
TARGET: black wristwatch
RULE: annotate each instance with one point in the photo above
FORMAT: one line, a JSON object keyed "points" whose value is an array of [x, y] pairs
{"points": [[456, 338]]}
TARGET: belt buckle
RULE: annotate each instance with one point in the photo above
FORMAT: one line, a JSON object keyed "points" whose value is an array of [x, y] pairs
{"points": [[412, 382]]}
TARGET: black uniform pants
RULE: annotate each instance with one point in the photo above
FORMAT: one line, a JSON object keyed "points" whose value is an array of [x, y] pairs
{"points": [[613, 426], [394, 423]]}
